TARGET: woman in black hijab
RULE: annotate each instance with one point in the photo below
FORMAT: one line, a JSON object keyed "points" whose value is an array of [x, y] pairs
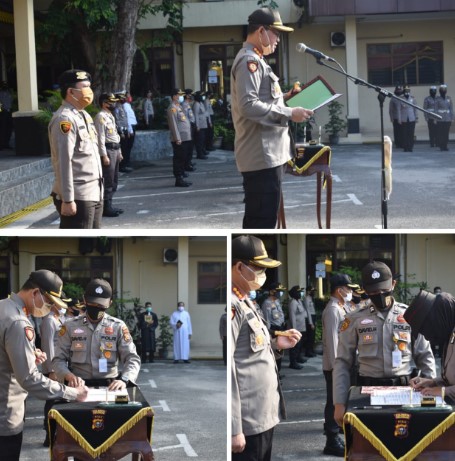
{"points": [[433, 316]]}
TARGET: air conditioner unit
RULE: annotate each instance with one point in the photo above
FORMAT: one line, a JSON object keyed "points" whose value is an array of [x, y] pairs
{"points": [[170, 255], [337, 39]]}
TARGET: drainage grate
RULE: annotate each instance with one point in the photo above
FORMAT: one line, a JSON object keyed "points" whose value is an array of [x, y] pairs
{"points": [[5, 221]]}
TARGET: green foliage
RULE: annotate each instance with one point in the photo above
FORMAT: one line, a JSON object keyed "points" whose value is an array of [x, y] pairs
{"points": [[166, 337], [403, 291], [335, 123], [74, 291], [354, 272], [127, 309]]}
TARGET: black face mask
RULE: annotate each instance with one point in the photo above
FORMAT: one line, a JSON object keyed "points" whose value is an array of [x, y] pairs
{"points": [[95, 313], [75, 312], [382, 301], [111, 107], [356, 299]]}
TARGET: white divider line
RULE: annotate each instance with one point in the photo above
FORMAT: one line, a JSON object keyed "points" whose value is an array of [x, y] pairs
{"points": [[184, 443]]}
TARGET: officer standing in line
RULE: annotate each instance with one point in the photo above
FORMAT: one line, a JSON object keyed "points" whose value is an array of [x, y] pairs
{"points": [[444, 108], [394, 113], [262, 142], [257, 401], [209, 111], [202, 124], [429, 104], [148, 322], [19, 358], [333, 316], [180, 132], [109, 149], [78, 187], [273, 312], [308, 301], [407, 118], [121, 120], [382, 338], [188, 109], [148, 110], [90, 347]]}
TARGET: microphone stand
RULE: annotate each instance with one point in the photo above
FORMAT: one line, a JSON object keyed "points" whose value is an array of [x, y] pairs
{"points": [[382, 94]]}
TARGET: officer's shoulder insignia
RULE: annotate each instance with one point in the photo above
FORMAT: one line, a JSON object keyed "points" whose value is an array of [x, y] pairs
{"points": [[173, 110], [62, 330], [233, 311], [252, 65], [65, 126], [29, 333], [345, 324], [126, 334]]}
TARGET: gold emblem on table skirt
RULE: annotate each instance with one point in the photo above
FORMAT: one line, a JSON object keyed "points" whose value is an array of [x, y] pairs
{"points": [[98, 419]]}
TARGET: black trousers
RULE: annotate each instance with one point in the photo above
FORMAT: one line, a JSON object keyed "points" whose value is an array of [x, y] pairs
{"points": [[330, 425], [310, 336], [408, 135], [432, 132], [10, 446], [397, 133], [88, 215], [199, 141], [296, 351], [443, 134], [262, 197], [110, 173], [258, 447], [225, 350], [181, 153], [6, 128]]}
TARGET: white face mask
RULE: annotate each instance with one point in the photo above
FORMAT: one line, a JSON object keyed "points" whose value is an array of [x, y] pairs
{"points": [[266, 50], [181, 308], [181, 99], [43, 310], [258, 281], [62, 311], [347, 298]]}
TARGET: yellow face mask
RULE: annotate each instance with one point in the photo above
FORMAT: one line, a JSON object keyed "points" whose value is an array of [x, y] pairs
{"points": [[86, 96]]}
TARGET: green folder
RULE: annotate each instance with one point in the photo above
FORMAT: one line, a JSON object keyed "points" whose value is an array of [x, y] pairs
{"points": [[314, 95]]}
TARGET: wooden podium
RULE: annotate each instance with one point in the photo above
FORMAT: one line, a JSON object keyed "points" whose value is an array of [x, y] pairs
{"points": [[311, 159]]}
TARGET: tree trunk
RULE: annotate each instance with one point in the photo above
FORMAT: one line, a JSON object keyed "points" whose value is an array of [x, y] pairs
{"points": [[122, 48]]}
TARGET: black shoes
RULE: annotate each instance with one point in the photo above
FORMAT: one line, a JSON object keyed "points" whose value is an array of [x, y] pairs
{"points": [[126, 169], [108, 211], [334, 446], [296, 366], [186, 361], [202, 157], [180, 182]]}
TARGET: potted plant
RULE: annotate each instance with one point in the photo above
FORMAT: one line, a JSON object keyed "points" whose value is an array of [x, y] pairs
{"points": [[335, 123], [218, 134], [165, 339]]}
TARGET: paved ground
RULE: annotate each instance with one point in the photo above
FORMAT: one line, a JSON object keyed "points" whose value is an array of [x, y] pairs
{"points": [[187, 399], [422, 198]]}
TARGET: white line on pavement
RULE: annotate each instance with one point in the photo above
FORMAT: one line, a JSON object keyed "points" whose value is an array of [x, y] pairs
{"points": [[183, 444], [355, 199], [163, 405], [152, 383], [303, 421]]}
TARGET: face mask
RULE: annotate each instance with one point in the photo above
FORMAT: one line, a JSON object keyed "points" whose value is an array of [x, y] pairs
{"points": [[382, 301], [86, 96], [398, 92], [75, 312], [279, 293], [347, 298], [266, 50], [181, 99], [433, 93], [95, 314], [252, 294], [181, 308], [258, 281], [111, 107], [149, 309], [356, 299], [442, 92], [406, 94], [302, 294], [62, 311], [43, 310], [203, 98]]}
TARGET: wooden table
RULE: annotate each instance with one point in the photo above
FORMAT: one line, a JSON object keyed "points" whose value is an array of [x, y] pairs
{"points": [[397, 433], [95, 431], [312, 159]]}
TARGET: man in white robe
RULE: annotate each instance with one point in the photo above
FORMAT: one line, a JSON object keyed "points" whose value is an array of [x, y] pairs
{"points": [[181, 324]]}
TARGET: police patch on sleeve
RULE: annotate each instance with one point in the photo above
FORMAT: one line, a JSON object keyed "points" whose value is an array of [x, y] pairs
{"points": [[126, 334], [62, 330], [232, 312], [65, 127], [29, 333], [345, 324], [252, 66]]}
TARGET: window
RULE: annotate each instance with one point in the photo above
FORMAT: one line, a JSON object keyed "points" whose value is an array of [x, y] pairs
{"points": [[211, 283], [77, 269], [418, 63]]}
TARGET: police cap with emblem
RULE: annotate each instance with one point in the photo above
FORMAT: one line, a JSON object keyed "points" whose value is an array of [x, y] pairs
{"points": [[252, 250], [50, 284], [341, 280], [177, 91], [277, 286], [270, 18], [72, 76], [376, 276], [109, 97], [98, 291]]}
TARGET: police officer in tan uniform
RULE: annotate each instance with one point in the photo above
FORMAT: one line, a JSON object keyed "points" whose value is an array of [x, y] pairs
{"points": [[444, 107], [188, 109], [262, 142], [201, 125], [382, 338], [333, 315], [180, 132], [429, 104], [19, 358], [78, 185], [256, 393], [407, 117], [90, 347], [109, 149], [433, 316]]}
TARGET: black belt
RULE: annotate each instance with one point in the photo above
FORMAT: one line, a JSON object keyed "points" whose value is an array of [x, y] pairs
{"points": [[112, 145], [397, 381]]}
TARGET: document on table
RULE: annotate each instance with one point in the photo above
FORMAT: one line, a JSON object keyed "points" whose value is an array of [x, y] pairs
{"points": [[398, 396], [103, 395]]}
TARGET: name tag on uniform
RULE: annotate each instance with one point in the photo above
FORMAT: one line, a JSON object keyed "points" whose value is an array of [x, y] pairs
{"points": [[396, 358], [102, 365]]}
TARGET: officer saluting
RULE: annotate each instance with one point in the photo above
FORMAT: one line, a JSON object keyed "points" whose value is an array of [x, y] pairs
{"points": [[90, 347], [382, 338], [78, 185], [256, 392]]}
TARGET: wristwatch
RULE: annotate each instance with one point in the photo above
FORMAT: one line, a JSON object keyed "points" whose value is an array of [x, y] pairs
{"points": [[125, 379]]}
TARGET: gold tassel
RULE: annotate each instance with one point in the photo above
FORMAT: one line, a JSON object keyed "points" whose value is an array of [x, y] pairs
{"points": [[352, 419], [95, 452]]}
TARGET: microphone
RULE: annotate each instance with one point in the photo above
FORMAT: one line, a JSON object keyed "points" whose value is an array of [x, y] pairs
{"points": [[302, 48]]}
